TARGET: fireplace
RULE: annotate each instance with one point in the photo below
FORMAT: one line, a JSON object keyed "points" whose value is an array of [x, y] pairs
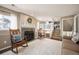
{"points": [[29, 33]]}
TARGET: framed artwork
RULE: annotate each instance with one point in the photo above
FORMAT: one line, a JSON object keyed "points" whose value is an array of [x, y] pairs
{"points": [[68, 25]]}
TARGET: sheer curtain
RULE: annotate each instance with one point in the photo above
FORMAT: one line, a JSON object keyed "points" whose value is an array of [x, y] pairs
{"points": [[13, 20]]}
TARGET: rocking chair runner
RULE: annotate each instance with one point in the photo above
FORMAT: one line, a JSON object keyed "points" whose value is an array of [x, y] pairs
{"points": [[16, 40]]}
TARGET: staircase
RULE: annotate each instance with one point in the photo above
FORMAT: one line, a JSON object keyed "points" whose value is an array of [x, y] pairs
{"points": [[56, 34]]}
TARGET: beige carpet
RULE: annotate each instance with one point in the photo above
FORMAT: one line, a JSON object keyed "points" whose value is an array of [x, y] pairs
{"points": [[42, 47]]}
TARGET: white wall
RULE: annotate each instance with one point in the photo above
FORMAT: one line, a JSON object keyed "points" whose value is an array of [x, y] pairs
{"points": [[25, 24]]}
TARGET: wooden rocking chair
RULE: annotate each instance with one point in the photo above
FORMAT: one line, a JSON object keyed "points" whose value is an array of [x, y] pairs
{"points": [[15, 34]]}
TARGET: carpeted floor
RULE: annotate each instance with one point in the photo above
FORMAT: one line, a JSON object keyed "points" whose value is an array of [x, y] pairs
{"points": [[42, 47]]}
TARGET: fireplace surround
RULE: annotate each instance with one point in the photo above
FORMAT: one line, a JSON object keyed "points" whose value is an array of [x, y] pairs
{"points": [[29, 33]]}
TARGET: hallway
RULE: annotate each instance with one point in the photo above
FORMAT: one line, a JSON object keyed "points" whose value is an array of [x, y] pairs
{"points": [[42, 47]]}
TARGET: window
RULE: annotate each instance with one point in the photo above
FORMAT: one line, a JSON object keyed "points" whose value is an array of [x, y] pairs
{"points": [[46, 25], [8, 21], [42, 25], [4, 22]]}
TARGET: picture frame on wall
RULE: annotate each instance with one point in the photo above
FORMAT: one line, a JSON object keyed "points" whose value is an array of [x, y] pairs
{"points": [[68, 25]]}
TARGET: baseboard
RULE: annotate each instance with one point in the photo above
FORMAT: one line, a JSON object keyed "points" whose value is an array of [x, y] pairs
{"points": [[5, 49]]}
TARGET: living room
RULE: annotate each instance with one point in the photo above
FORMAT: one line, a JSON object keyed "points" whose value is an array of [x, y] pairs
{"points": [[43, 26]]}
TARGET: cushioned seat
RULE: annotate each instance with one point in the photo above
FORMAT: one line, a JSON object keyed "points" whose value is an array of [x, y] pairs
{"points": [[16, 40]]}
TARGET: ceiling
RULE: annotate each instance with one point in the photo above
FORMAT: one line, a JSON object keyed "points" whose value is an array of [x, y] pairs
{"points": [[51, 10]]}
